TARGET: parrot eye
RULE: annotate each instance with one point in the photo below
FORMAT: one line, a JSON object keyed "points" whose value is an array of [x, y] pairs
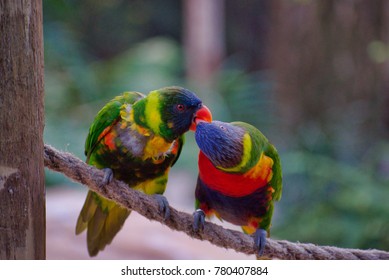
{"points": [[222, 127], [180, 107]]}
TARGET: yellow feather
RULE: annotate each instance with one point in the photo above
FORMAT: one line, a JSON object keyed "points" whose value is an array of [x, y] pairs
{"points": [[113, 223], [156, 186], [153, 116], [263, 169], [156, 147], [252, 225]]}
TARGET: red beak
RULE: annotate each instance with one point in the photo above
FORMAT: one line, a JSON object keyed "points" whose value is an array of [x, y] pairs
{"points": [[202, 115]]}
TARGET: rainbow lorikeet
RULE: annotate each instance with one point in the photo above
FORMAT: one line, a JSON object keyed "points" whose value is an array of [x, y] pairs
{"points": [[136, 139], [239, 177]]}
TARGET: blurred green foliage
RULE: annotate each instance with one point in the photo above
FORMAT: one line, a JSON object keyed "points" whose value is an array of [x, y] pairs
{"points": [[330, 202], [94, 50]]}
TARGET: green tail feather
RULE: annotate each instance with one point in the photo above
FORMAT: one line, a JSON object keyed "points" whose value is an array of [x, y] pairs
{"points": [[103, 219], [87, 212]]}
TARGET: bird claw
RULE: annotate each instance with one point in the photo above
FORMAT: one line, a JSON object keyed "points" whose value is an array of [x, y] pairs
{"points": [[163, 205], [198, 220], [260, 240], [107, 178]]}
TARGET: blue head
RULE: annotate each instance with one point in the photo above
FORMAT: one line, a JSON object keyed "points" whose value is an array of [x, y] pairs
{"points": [[221, 142]]}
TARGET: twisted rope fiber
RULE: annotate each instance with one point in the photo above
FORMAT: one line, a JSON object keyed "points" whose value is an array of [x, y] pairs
{"points": [[145, 205]]}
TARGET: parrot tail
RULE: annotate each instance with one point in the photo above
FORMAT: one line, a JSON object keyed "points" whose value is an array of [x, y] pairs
{"points": [[103, 219]]}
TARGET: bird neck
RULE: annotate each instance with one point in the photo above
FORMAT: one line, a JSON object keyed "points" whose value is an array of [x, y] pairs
{"points": [[147, 114], [156, 146]]}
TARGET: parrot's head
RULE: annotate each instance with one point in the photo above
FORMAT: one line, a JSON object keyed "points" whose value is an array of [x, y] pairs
{"points": [[172, 111], [222, 143]]}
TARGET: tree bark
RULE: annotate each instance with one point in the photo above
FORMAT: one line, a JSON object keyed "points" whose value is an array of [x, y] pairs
{"points": [[22, 193]]}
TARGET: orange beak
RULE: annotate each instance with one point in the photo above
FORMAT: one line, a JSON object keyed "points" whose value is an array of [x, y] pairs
{"points": [[202, 115]]}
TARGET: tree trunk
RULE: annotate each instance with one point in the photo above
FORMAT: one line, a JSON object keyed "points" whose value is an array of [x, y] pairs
{"points": [[331, 64], [22, 193], [204, 39]]}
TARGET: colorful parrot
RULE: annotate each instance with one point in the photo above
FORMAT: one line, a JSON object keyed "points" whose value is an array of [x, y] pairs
{"points": [[239, 178], [136, 139]]}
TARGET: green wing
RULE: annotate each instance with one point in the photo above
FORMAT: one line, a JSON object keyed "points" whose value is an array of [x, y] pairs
{"points": [[276, 181], [107, 117]]}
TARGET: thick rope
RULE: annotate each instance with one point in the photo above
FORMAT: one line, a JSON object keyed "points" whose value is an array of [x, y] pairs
{"points": [[145, 205]]}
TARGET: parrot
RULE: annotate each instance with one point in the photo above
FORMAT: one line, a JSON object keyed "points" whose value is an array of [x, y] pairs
{"points": [[136, 139], [239, 178]]}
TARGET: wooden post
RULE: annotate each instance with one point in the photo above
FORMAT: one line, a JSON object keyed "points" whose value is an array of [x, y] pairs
{"points": [[22, 193]]}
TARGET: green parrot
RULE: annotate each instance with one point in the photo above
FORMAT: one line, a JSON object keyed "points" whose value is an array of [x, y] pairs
{"points": [[239, 177], [136, 139]]}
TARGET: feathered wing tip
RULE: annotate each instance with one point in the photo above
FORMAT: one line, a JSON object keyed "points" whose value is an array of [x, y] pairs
{"points": [[87, 212], [104, 227], [103, 223]]}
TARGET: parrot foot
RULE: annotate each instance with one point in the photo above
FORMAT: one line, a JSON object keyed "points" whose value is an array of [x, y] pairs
{"points": [[163, 205], [260, 240], [108, 176], [198, 220]]}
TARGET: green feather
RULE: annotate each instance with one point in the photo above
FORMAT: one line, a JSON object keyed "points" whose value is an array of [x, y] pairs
{"points": [[261, 144], [107, 117], [251, 155], [119, 139], [87, 212], [276, 181]]}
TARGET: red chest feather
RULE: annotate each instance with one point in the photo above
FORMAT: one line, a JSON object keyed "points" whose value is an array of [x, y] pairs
{"points": [[235, 185]]}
